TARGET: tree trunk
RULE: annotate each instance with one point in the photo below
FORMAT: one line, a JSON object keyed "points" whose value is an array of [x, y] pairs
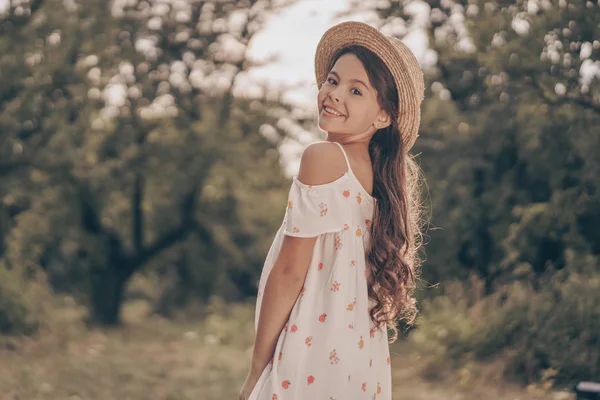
{"points": [[107, 290], [174, 292]]}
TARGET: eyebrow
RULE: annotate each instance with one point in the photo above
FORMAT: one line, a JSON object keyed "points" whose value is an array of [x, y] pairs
{"points": [[351, 80]]}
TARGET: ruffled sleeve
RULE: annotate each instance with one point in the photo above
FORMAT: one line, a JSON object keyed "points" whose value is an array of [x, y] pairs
{"points": [[313, 210]]}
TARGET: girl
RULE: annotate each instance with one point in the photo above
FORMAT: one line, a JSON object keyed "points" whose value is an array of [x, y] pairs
{"points": [[342, 267]]}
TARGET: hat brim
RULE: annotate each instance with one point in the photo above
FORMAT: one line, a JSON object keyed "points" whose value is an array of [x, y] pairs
{"points": [[398, 58]]}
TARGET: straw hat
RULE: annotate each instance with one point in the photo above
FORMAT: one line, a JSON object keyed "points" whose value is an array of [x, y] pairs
{"points": [[401, 62]]}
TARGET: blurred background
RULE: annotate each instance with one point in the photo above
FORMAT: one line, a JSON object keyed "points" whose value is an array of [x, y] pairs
{"points": [[146, 149]]}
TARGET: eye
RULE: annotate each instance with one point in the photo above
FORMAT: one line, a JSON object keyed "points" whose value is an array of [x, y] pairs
{"points": [[331, 81], [356, 92]]}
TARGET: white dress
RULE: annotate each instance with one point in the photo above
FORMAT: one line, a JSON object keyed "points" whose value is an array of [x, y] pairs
{"points": [[329, 348]]}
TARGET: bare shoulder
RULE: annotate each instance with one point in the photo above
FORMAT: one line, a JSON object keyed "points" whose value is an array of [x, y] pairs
{"points": [[322, 162]]}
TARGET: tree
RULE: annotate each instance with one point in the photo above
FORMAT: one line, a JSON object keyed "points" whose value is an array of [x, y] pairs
{"points": [[123, 138]]}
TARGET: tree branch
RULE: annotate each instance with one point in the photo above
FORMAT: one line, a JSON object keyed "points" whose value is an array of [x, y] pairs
{"points": [[186, 224], [90, 220], [137, 213]]}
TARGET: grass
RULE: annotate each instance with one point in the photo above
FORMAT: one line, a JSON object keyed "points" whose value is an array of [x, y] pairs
{"points": [[152, 358]]}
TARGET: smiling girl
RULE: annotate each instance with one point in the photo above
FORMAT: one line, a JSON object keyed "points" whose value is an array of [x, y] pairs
{"points": [[342, 268]]}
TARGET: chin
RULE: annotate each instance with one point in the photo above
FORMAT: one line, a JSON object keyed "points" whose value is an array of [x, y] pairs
{"points": [[326, 125], [327, 128]]}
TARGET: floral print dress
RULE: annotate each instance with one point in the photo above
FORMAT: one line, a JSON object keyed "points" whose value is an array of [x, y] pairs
{"points": [[329, 349]]}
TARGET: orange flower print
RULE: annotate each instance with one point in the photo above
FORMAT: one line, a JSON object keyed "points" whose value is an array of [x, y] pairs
{"points": [[323, 208], [285, 328], [351, 326], [294, 328], [353, 263], [286, 384], [351, 305], [358, 232], [368, 223], [320, 266], [370, 363], [296, 230], [290, 204], [335, 287], [310, 379], [302, 291], [271, 361], [364, 386], [346, 193], [361, 343], [308, 341], [274, 397], [346, 227], [387, 361], [333, 358], [322, 317], [338, 242], [279, 356], [372, 332], [378, 388], [358, 198], [348, 378]]}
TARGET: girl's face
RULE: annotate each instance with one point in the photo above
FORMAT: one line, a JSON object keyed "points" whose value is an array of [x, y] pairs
{"points": [[347, 101]]}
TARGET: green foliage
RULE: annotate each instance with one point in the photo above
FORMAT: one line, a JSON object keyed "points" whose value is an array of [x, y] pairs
{"points": [[555, 327], [23, 302]]}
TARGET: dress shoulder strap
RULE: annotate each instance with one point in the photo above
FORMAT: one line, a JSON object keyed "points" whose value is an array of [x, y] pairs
{"points": [[345, 156]]}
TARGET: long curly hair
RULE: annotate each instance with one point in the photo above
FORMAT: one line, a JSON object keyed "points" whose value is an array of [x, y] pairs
{"points": [[396, 236]]}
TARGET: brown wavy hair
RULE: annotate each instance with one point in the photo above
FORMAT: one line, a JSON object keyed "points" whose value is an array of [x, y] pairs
{"points": [[396, 236]]}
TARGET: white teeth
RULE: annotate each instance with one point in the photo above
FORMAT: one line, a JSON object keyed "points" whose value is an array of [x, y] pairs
{"points": [[329, 110]]}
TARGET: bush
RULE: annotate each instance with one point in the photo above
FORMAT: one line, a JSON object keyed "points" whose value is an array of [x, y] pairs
{"points": [[22, 302], [533, 331]]}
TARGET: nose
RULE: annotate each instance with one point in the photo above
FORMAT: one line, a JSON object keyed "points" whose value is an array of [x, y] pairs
{"points": [[334, 95]]}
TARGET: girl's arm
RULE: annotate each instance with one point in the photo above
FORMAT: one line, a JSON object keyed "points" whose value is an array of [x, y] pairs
{"points": [[279, 295], [321, 163]]}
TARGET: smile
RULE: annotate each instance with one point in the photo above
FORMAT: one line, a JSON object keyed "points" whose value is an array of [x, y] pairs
{"points": [[332, 112]]}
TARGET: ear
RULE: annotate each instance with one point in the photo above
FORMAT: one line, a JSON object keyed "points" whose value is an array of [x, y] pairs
{"points": [[383, 120]]}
